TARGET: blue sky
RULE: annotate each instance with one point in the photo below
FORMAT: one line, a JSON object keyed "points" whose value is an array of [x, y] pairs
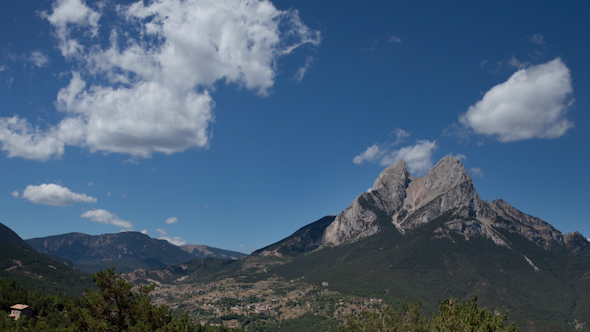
{"points": [[233, 123]]}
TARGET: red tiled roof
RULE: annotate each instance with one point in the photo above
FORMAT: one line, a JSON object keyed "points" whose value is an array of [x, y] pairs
{"points": [[20, 307]]}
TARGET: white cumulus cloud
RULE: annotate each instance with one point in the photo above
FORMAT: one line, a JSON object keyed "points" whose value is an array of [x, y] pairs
{"points": [[147, 91], [106, 217], [172, 221], [15, 194], [532, 103], [54, 194]]}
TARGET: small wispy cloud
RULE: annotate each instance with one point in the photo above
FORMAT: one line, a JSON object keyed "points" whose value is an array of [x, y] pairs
{"points": [[417, 156], [514, 62], [377, 151], [394, 39], [476, 171], [459, 156], [537, 39], [106, 217], [172, 221], [39, 59], [177, 241], [303, 69]]}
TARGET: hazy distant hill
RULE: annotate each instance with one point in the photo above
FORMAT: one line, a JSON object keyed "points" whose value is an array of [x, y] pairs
{"points": [[35, 271], [128, 251], [426, 238], [201, 251]]}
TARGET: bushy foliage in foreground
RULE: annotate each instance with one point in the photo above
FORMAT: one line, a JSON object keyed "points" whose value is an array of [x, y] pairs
{"points": [[113, 307], [50, 309], [452, 316]]}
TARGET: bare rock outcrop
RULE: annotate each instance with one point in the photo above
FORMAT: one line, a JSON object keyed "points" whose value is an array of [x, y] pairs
{"points": [[535, 229], [446, 187], [411, 202], [358, 220]]}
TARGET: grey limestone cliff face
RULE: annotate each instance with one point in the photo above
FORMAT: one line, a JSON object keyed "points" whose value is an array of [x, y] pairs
{"points": [[535, 229], [411, 202], [446, 187], [358, 220]]}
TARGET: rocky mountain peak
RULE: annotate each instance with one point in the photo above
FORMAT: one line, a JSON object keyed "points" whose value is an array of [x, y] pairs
{"points": [[392, 177], [358, 219], [411, 202], [446, 186], [408, 201], [447, 173]]}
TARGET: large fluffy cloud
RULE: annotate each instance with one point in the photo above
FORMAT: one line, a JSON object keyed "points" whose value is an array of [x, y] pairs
{"points": [[53, 194], [532, 103], [106, 217], [148, 90]]}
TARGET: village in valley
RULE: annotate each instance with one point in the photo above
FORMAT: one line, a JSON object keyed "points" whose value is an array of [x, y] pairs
{"points": [[272, 298]]}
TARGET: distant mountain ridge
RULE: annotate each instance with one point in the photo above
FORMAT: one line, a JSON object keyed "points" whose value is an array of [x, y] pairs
{"points": [[128, 251], [202, 251]]}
